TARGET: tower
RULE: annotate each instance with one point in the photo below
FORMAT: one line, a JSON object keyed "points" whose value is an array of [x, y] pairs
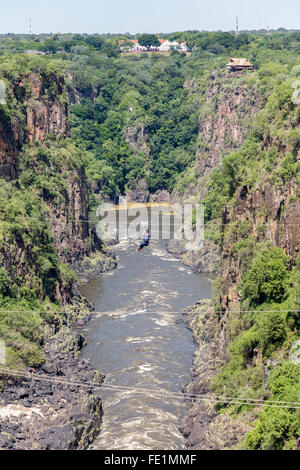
{"points": [[237, 27], [30, 26]]}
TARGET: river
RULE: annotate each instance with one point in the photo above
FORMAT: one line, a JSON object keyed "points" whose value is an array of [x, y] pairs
{"points": [[137, 339]]}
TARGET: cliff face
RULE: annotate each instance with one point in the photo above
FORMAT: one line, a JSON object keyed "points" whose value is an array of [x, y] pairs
{"points": [[50, 116], [65, 201], [226, 112], [40, 113], [262, 213], [203, 427], [53, 172], [225, 117], [69, 223], [273, 215], [11, 138], [136, 137], [46, 116]]}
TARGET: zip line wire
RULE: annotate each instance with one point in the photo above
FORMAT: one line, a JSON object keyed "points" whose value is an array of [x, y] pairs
{"points": [[159, 393], [108, 312], [99, 220]]}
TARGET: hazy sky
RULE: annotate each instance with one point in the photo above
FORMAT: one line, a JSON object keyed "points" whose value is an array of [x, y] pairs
{"points": [[103, 16]]}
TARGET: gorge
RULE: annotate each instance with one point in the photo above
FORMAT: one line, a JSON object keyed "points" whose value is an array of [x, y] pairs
{"points": [[89, 125]]}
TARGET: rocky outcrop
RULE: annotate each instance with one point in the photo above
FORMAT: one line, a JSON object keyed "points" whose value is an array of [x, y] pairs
{"points": [[161, 195], [137, 139], [43, 414], [225, 117], [95, 264], [204, 260], [232, 107], [11, 138], [138, 193], [50, 414]]}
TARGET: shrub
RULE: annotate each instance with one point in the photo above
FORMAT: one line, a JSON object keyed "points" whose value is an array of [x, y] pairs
{"points": [[267, 279], [5, 282], [278, 428], [271, 329]]}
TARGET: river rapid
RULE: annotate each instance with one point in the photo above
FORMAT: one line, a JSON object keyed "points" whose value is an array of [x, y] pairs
{"points": [[136, 337]]}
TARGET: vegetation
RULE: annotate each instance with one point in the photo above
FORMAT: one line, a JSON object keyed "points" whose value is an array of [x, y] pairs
{"points": [[260, 339], [148, 40], [135, 117]]}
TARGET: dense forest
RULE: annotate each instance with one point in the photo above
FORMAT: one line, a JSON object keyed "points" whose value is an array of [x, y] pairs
{"points": [[122, 119]]}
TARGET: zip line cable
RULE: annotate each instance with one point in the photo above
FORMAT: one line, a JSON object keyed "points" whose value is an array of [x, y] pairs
{"points": [[159, 393], [297, 224], [108, 312]]}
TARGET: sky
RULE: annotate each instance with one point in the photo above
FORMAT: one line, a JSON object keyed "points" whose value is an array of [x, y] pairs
{"points": [[153, 16]]}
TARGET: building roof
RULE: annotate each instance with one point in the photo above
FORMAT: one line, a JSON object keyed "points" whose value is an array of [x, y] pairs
{"points": [[239, 62], [121, 41], [162, 41]]}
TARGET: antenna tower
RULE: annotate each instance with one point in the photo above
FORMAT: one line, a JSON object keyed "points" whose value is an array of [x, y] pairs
{"points": [[237, 27]]}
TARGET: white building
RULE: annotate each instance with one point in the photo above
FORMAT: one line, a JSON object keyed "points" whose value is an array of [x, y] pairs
{"points": [[164, 46], [134, 47]]}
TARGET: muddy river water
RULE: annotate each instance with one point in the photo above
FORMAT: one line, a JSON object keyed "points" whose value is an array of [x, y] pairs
{"points": [[137, 339]]}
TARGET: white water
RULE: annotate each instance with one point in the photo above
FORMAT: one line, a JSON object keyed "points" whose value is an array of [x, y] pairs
{"points": [[139, 342]]}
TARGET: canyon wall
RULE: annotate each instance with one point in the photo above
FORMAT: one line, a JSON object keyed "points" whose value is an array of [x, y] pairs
{"points": [[43, 112], [273, 215], [225, 117]]}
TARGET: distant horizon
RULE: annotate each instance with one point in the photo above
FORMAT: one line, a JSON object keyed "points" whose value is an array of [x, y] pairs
{"points": [[165, 16], [128, 33]]}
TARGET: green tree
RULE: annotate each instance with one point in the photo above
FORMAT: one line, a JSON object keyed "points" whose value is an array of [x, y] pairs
{"points": [[267, 279], [148, 40]]}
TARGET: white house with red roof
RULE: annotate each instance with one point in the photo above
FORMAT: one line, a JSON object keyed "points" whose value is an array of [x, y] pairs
{"points": [[134, 47], [164, 46]]}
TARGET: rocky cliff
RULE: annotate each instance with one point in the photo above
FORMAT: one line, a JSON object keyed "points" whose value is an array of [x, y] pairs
{"points": [[225, 119], [226, 112], [44, 229], [270, 214], [40, 109], [237, 353], [42, 113]]}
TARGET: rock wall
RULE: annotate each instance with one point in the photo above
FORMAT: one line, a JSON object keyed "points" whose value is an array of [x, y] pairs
{"points": [[46, 115], [225, 116], [45, 415], [273, 214], [229, 109], [11, 138], [264, 213], [40, 113]]}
